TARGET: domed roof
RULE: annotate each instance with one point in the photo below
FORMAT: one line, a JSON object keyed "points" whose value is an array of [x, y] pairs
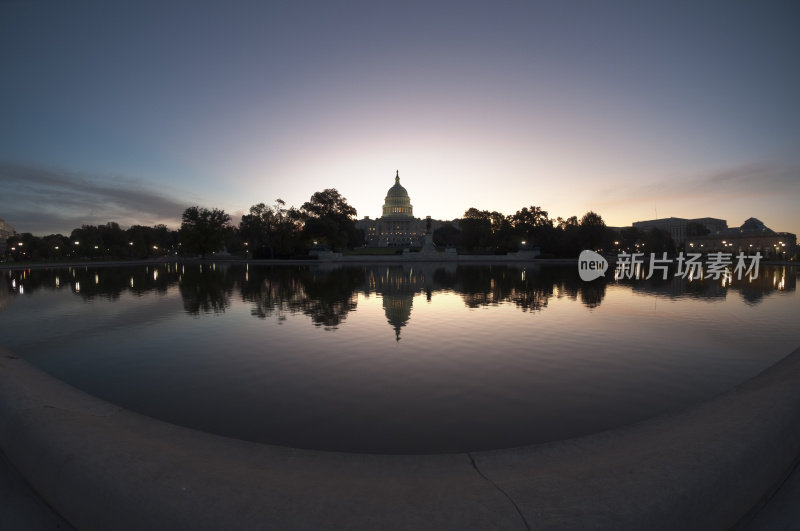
{"points": [[755, 225], [397, 203], [397, 190]]}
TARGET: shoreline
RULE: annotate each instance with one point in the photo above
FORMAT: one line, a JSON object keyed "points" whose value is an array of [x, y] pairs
{"points": [[391, 259]]}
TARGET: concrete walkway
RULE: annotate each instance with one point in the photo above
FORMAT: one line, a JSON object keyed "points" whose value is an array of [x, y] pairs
{"points": [[106, 468], [21, 509], [782, 510]]}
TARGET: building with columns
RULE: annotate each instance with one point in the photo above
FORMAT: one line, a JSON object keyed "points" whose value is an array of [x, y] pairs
{"points": [[397, 227]]}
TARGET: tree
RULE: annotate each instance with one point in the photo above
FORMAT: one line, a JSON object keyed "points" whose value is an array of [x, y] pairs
{"points": [[446, 235], [202, 230], [658, 241], [328, 219], [142, 242], [593, 233], [269, 231], [532, 226], [476, 230]]}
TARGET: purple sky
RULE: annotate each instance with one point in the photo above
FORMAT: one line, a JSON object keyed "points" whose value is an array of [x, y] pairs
{"points": [[130, 112]]}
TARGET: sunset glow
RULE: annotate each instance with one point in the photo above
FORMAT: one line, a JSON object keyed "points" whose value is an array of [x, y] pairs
{"points": [[131, 113]]}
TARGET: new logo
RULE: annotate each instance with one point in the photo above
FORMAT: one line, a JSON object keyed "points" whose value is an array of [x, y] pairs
{"points": [[591, 265]]}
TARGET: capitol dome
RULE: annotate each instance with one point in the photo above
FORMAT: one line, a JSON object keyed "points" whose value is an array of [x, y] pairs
{"points": [[397, 202]]}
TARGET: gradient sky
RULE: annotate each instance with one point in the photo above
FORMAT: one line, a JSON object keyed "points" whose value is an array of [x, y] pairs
{"points": [[133, 111]]}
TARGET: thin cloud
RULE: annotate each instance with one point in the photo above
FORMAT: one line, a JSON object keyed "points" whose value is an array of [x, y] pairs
{"points": [[748, 180], [43, 201]]}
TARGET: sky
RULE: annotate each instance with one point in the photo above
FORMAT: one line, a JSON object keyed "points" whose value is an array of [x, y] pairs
{"points": [[133, 111]]}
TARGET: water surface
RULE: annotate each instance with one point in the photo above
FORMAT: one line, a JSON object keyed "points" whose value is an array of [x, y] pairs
{"points": [[396, 359]]}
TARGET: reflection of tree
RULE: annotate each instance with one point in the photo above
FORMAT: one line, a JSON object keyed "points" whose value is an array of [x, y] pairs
{"points": [[5, 297], [92, 282], [205, 288], [330, 296], [592, 293], [327, 296], [273, 291], [753, 291], [528, 288]]}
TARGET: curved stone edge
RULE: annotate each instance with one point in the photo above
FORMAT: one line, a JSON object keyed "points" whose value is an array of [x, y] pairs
{"points": [[704, 468], [102, 467]]}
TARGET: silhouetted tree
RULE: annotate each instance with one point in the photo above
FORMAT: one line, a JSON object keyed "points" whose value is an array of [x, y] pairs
{"points": [[629, 237], [269, 231], [658, 241], [202, 230], [328, 219], [447, 235], [593, 233], [476, 230], [532, 226], [143, 242]]}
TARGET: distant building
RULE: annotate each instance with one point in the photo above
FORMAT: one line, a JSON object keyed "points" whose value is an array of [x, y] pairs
{"points": [[6, 231], [397, 227], [752, 236], [677, 227]]}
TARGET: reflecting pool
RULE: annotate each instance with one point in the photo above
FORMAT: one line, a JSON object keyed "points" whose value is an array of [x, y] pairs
{"points": [[414, 358]]}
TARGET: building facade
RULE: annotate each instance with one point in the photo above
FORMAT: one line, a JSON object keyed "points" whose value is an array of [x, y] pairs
{"points": [[753, 236], [677, 227], [6, 231], [397, 227]]}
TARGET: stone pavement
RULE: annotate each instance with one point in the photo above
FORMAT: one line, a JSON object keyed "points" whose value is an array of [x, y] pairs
{"points": [[21, 508]]}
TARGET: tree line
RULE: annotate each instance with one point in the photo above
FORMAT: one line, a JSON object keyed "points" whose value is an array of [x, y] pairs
{"points": [[327, 221], [482, 231]]}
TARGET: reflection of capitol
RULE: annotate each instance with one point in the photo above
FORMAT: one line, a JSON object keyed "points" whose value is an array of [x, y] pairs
{"points": [[397, 286], [327, 293]]}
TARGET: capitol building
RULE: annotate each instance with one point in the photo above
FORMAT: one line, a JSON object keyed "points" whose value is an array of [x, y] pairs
{"points": [[397, 227]]}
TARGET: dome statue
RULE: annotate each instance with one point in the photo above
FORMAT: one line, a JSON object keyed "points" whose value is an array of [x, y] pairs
{"points": [[397, 203]]}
